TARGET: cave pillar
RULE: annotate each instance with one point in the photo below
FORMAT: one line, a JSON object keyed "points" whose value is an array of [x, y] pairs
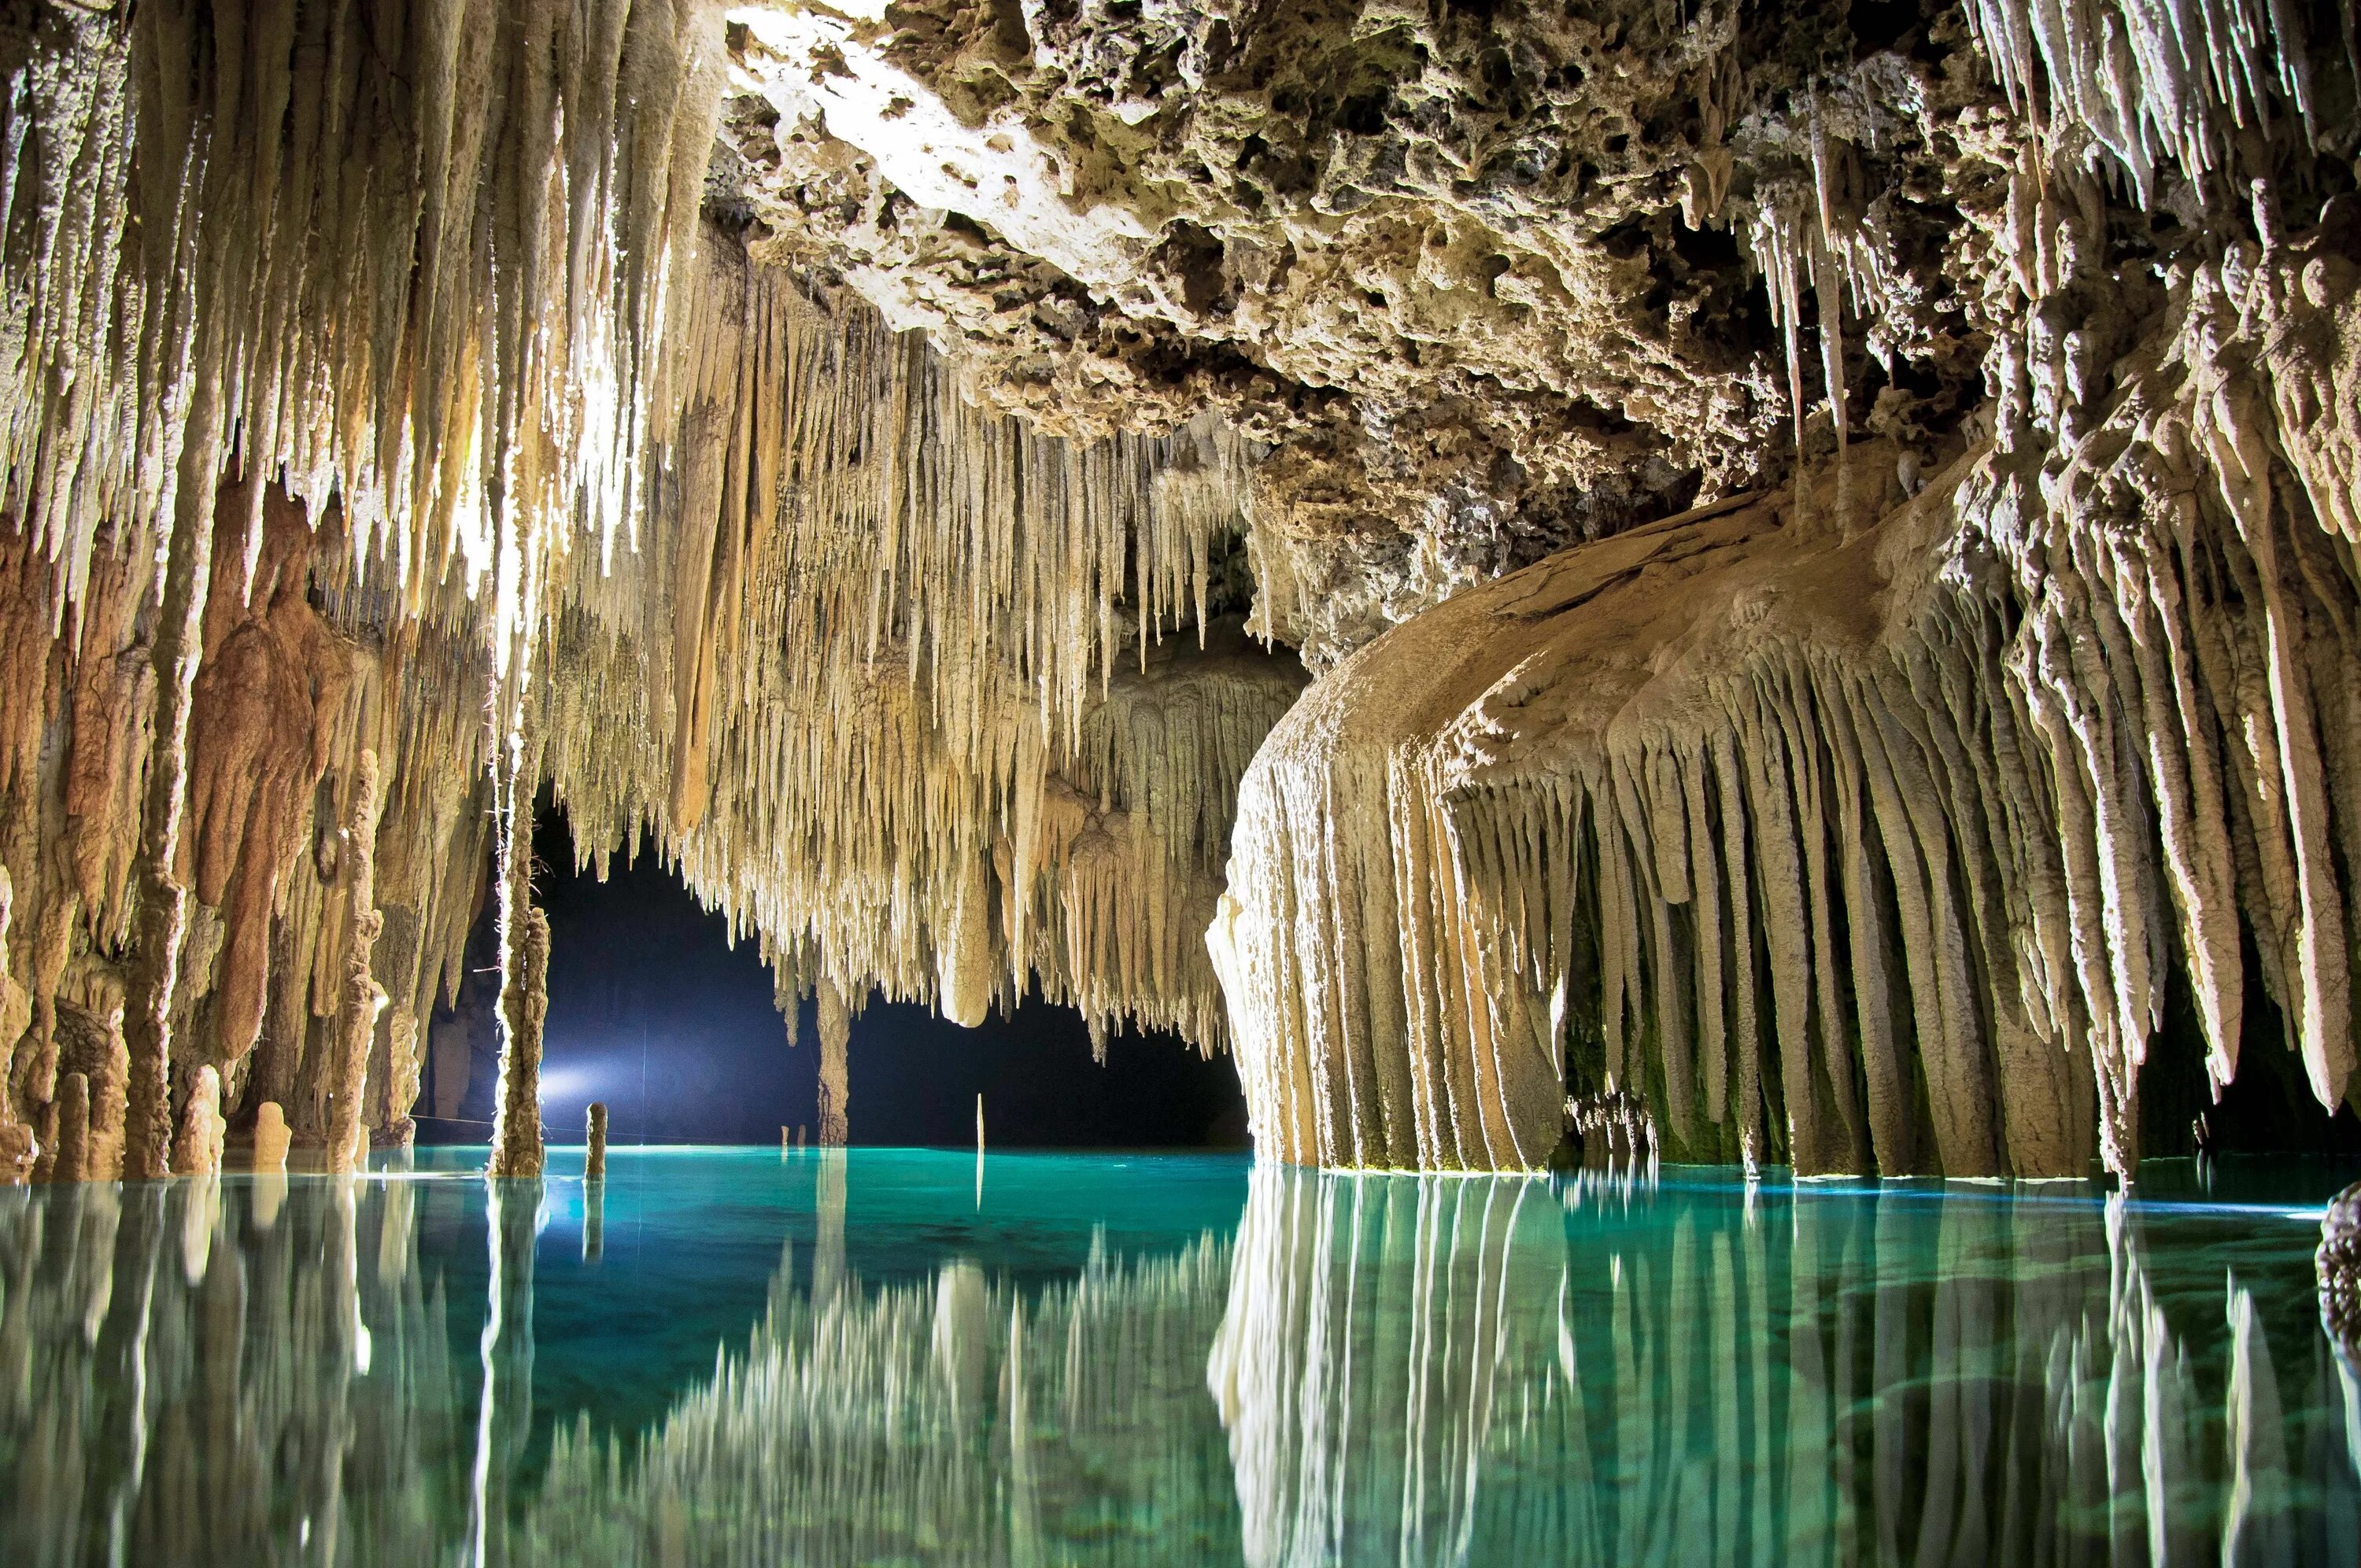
{"points": [[358, 1007], [525, 1000], [73, 1161], [163, 901], [594, 1159], [524, 1006], [835, 1083]]}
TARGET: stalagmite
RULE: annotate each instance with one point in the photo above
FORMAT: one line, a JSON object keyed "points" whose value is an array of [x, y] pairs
{"points": [[593, 1158], [360, 1000], [91, 1044], [272, 1139], [835, 1082], [198, 1149]]}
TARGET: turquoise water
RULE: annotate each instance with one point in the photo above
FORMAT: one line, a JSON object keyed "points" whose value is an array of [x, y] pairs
{"points": [[886, 1356]]}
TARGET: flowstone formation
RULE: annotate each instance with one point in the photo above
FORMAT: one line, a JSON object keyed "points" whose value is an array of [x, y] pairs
{"points": [[1823, 537]]}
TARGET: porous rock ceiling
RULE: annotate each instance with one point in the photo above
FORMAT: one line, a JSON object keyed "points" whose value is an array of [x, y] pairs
{"points": [[908, 458]]}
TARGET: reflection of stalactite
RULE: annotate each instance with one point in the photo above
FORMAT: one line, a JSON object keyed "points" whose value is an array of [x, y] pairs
{"points": [[1807, 1377], [933, 1419], [1363, 1357], [505, 1415], [189, 1373]]}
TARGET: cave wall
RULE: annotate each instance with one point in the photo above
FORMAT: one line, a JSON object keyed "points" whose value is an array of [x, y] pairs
{"points": [[1824, 537]]}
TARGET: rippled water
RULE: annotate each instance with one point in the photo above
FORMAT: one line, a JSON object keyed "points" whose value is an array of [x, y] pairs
{"points": [[886, 1356]]}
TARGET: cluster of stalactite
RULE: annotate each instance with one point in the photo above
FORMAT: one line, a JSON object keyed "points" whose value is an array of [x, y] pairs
{"points": [[377, 389], [907, 700], [956, 1416], [127, 1307], [299, 675], [1759, 1382], [323, 333], [1867, 826]]}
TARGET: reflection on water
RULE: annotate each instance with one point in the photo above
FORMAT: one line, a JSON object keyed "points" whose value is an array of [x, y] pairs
{"points": [[191, 1377], [959, 1418], [828, 1358], [1435, 1370]]}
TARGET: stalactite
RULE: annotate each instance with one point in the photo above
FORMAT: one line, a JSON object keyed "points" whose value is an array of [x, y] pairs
{"points": [[1939, 789], [854, 536], [2153, 85], [2055, 727], [361, 999]]}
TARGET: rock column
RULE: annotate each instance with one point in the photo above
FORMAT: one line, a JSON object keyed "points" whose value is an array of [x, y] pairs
{"points": [[356, 1014], [163, 901], [594, 1163], [835, 1084], [73, 1162], [516, 1137]]}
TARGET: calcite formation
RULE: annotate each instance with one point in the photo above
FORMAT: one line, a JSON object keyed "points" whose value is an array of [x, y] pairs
{"points": [[1822, 539]]}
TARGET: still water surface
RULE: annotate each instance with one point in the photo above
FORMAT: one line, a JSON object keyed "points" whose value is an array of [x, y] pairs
{"points": [[747, 1358]]}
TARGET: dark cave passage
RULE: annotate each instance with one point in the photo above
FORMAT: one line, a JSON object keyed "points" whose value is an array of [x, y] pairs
{"points": [[652, 1010]]}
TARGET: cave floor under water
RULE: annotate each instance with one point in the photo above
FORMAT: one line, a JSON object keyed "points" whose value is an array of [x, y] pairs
{"points": [[736, 1355]]}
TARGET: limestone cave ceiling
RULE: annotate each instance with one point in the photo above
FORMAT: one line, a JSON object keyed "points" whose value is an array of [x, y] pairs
{"points": [[1822, 538]]}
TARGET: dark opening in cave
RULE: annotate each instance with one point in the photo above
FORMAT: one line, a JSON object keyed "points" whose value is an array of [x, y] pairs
{"points": [[653, 1011]]}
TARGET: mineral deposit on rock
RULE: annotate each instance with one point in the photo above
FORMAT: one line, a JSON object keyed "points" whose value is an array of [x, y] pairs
{"points": [[1785, 568]]}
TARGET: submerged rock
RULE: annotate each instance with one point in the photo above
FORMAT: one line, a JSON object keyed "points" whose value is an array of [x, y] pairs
{"points": [[2338, 1264]]}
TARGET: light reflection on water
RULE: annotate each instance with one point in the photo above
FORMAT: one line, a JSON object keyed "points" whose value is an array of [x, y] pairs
{"points": [[730, 1356]]}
